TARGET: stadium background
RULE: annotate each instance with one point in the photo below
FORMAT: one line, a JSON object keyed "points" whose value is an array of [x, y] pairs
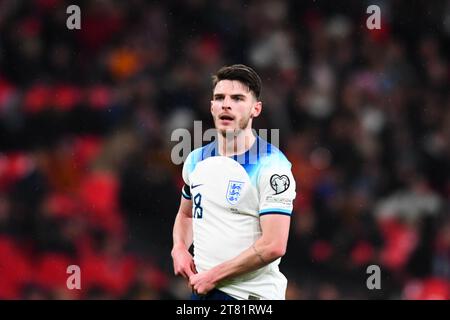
{"points": [[86, 116]]}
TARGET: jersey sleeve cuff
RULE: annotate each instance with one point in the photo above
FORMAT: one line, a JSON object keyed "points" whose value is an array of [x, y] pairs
{"points": [[286, 212], [186, 192]]}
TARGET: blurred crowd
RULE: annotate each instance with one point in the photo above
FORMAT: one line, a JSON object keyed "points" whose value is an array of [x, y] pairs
{"points": [[86, 117]]}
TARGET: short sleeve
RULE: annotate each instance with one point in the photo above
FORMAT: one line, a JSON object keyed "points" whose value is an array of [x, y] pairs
{"points": [[277, 187], [187, 165]]}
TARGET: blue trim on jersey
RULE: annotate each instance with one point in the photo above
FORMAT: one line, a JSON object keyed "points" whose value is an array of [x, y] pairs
{"points": [[200, 154], [260, 154], [276, 211], [210, 150], [268, 156], [186, 192], [250, 160], [254, 158], [185, 195]]}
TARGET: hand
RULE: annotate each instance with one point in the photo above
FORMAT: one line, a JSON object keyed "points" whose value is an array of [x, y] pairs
{"points": [[183, 263], [202, 282]]}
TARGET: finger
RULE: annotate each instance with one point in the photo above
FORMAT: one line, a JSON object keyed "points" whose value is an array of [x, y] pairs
{"points": [[189, 272], [191, 281], [182, 273], [193, 268], [175, 271], [200, 292]]}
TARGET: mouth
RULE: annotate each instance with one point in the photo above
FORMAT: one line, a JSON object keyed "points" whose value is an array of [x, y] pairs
{"points": [[226, 117]]}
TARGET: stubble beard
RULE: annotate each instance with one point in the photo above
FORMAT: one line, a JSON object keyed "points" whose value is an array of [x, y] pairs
{"points": [[232, 133]]}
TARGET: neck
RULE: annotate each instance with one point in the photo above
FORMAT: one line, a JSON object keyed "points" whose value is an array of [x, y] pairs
{"points": [[232, 144]]}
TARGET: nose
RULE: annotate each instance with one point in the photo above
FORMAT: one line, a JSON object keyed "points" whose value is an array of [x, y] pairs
{"points": [[226, 104]]}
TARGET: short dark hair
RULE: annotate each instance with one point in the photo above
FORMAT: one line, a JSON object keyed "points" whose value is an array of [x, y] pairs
{"points": [[241, 73]]}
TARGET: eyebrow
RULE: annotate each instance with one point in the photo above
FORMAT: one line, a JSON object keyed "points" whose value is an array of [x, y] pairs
{"points": [[220, 95]]}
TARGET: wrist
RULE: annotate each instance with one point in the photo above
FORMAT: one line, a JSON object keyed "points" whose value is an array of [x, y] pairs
{"points": [[179, 247], [216, 275]]}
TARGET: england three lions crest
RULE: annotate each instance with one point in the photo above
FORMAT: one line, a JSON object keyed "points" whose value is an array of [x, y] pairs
{"points": [[234, 191]]}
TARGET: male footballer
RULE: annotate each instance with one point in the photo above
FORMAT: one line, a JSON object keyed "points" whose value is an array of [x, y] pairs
{"points": [[236, 203]]}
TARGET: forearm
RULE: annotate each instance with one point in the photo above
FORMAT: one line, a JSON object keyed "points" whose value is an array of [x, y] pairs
{"points": [[182, 232], [260, 254]]}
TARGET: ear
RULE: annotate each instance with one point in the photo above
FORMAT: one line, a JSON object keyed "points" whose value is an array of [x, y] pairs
{"points": [[212, 107], [257, 108]]}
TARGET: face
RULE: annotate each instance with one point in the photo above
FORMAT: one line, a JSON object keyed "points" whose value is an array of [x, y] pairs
{"points": [[233, 106]]}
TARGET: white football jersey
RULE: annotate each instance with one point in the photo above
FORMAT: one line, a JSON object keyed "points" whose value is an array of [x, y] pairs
{"points": [[228, 195]]}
